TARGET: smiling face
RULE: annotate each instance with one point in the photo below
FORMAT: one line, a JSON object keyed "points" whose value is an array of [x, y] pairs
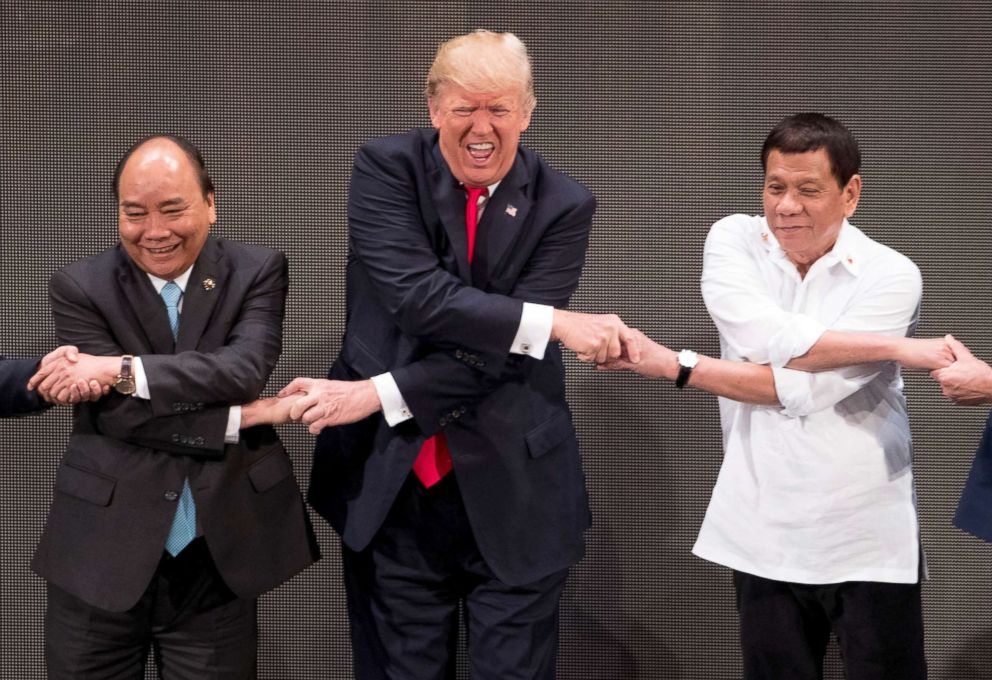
{"points": [[164, 217], [479, 132], [805, 205]]}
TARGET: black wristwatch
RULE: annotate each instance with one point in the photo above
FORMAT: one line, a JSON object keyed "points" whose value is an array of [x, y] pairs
{"points": [[125, 379], [687, 361]]}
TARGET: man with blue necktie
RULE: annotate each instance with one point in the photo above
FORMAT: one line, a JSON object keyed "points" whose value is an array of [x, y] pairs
{"points": [[175, 504]]}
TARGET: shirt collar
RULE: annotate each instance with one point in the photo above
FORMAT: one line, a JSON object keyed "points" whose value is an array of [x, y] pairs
{"points": [[848, 249], [180, 281]]}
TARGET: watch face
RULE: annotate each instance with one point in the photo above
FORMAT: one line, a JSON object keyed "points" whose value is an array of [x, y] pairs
{"points": [[688, 358], [125, 385]]}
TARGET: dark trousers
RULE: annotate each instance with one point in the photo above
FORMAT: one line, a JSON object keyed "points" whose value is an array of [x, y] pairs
{"points": [[785, 628], [422, 571], [197, 628]]}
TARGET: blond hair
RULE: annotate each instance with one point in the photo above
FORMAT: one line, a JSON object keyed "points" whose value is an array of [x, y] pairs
{"points": [[483, 61]]}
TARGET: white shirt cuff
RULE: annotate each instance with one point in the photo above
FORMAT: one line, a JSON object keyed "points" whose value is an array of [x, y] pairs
{"points": [[394, 408], [793, 390], [140, 380], [534, 331], [794, 339], [233, 432]]}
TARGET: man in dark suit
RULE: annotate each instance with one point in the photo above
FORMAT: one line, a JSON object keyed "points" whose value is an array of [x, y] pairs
{"points": [[174, 508], [451, 323], [968, 382]]}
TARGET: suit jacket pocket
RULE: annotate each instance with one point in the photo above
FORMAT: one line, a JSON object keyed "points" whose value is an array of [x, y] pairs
{"points": [[269, 471], [549, 434], [85, 484]]}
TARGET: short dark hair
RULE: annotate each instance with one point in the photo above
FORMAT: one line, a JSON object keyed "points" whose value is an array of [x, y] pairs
{"points": [[804, 132], [194, 155]]}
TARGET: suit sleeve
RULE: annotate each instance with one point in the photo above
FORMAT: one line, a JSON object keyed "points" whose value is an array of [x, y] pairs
{"points": [[387, 235], [15, 398], [443, 380], [206, 383], [237, 372]]}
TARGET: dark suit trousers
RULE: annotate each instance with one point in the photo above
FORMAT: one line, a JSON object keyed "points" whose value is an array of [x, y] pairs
{"points": [[197, 628], [785, 628], [422, 571]]}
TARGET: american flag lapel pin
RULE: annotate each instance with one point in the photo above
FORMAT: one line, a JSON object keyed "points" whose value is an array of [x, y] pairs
{"points": [[511, 210]]}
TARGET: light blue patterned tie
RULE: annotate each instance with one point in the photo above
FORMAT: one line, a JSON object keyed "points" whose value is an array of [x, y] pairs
{"points": [[184, 523]]}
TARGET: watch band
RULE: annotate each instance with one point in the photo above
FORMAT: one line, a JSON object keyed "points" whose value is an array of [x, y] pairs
{"points": [[683, 377]]}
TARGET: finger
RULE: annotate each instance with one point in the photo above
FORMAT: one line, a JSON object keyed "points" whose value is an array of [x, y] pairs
{"points": [[957, 347], [615, 347], [43, 372], [296, 385], [314, 414], [74, 395], [302, 405], [54, 355], [71, 353], [82, 390], [96, 390], [632, 345]]}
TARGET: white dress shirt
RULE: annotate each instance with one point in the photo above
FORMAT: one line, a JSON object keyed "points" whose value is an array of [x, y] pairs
{"points": [[819, 490], [141, 390], [533, 335]]}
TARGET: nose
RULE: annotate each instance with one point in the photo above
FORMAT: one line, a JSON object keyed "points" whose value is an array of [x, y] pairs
{"points": [[789, 204], [155, 229], [482, 122]]}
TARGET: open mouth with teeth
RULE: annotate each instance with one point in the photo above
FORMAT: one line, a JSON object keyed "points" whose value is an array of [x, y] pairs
{"points": [[164, 250], [481, 151]]}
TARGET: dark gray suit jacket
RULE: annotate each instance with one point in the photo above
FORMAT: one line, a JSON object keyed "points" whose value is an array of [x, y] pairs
{"points": [[117, 484], [15, 398], [444, 328]]}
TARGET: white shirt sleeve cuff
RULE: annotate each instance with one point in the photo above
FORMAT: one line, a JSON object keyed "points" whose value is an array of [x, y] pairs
{"points": [[233, 432], [794, 391], [140, 380], [794, 339], [534, 331], [394, 408]]}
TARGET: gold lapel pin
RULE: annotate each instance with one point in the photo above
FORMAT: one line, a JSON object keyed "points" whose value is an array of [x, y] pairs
{"points": [[209, 283]]}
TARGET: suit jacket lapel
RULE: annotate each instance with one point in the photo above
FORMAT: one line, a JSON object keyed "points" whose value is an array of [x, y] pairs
{"points": [[449, 199], [504, 217], [146, 305], [205, 286]]}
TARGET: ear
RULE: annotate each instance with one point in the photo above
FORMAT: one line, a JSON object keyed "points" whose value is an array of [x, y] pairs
{"points": [[212, 208], [852, 194], [435, 111]]}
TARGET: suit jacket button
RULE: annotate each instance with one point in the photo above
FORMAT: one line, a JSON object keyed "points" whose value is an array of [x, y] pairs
{"points": [[443, 421], [170, 496], [456, 413], [176, 406], [459, 354], [175, 438], [199, 441]]}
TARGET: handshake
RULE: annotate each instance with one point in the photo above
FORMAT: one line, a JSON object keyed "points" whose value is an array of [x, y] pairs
{"points": [[67, 376], [317, 403]]}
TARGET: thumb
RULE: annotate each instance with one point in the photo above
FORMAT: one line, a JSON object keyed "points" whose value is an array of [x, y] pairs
{"points": [[957, 348], [297, 385]]}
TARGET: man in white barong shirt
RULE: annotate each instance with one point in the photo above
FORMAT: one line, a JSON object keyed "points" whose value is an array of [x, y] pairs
{"points": [[814, 508]]}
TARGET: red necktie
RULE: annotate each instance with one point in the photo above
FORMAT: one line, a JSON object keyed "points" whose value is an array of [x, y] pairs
{"points": [[434, 460]]}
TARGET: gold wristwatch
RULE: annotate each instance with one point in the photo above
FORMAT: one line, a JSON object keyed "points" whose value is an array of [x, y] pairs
{"points": [[125, 379]]}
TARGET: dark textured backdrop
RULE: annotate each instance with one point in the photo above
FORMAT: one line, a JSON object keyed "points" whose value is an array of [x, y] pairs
{"points": [[660, 108]]}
